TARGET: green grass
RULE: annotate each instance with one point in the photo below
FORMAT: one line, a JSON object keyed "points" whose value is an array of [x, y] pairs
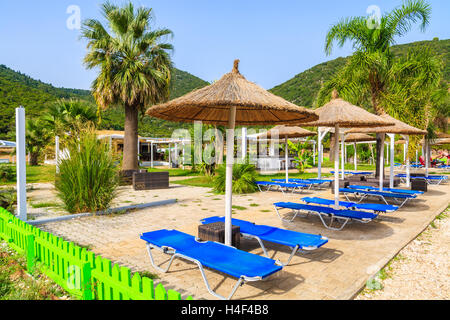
{"points": [[38, 174], [239, 208], [204, 182], [176, 172], [45, 205], [17, 284], [254, 205]]}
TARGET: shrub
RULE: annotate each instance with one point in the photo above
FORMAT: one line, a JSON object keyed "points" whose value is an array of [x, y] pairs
{"points": [[244, 177], [88, 178], [7, 173], [8, 198]]}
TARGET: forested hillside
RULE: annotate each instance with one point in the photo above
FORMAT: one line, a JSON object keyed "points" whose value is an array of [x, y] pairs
{"points": [[304, 87]]}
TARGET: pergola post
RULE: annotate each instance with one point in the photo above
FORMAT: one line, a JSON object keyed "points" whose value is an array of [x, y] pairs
{"points": [[336, 168], [286, 157], [342, 154], [152, 155], [408, 173], [391, 169], [21, 164], [244, 143], [57, 153], [383, 136]]}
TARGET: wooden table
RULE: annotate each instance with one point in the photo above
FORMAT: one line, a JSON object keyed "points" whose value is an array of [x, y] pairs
{"points": [[216, 232]]}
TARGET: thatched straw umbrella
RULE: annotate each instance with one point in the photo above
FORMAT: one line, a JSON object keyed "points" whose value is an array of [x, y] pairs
{"points": [[339, 113], [286, 133], [401, 128], [232, 101]]}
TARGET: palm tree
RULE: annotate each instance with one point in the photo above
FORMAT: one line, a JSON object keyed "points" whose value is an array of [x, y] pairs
{"points": [[37, 137], [134, 66], [63, 116], [366, 79]]}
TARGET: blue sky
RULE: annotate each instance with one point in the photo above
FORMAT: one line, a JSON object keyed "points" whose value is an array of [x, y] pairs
{"points": [[274, 40]]}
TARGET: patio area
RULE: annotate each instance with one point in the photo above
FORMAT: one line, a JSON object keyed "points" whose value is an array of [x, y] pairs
{"points": [[336, 271]]}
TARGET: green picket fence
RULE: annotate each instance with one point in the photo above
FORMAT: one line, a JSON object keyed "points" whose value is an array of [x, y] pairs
{"points": [[78, 270]]}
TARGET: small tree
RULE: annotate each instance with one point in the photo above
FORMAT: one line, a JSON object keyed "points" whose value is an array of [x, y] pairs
{"points": [[88, 178], [37, 138], [303, 157]]}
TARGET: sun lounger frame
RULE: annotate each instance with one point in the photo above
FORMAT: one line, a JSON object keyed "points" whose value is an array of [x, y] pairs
{"points": [[170, 251], [360, 195], [321, 215]]}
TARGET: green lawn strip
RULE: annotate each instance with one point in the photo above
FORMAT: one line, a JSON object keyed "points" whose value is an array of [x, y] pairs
{"points": [[175, 172], [37, 174], [45, 205], [17, 284], [204, 182]]}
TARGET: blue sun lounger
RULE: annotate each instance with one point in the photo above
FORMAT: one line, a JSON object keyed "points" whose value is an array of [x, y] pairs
{"points": [[244, 266], [400, 198], [354, 173], [432, 180], [313, 183], [282, 186], [298, 242], [386, 190], [372, 207], [340, 215]]}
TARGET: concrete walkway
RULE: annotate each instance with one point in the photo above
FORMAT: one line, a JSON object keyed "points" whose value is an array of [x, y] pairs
{"points": [[339, 270]]}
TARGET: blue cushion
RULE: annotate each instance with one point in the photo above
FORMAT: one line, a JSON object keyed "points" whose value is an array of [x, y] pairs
{"points": [[275, 235], [214, 255]]}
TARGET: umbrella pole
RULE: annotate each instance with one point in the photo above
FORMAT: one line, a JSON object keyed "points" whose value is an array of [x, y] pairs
{"points": [[336, 168], [383, 136], [287, 159], [319, 164], [355, 158], [229, 177]]}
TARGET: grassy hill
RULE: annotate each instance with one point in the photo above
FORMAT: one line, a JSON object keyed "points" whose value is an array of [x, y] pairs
{"points": [[17, 89], [304, 87]]}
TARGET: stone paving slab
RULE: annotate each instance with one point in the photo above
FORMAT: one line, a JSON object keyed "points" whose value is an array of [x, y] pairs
{"points": [[336, 271]]}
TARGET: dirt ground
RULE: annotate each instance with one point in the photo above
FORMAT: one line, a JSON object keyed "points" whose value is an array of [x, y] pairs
{"points": [[421, 271]]}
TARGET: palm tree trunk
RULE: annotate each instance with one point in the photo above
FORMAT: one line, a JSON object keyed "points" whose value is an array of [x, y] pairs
{"points": [[34, 159], [378, 156], [332, 143], [130, 147]]}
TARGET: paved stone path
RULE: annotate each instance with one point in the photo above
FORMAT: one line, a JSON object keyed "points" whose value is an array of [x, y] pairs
{"points": [[336, 271]]}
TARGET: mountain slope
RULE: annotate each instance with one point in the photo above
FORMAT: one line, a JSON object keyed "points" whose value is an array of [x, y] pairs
{"points": [[304, 87], [17, 89]]}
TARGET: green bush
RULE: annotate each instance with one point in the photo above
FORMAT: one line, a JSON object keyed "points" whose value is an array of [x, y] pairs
{"points": [[8, 198], [88, 179], [244, 177], [7, 173]]}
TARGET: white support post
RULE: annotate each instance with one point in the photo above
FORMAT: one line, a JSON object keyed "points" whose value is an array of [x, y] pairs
{"points": [[152, 154], [314, 153], [408, 173], [383, 136], [321, 135], [336, 168], [57, 153], [184, 153], [427, 157], [21, 165], [286, 157], [244, 143], [391, 169], [355, 157], [229, 177], [342, 155]]}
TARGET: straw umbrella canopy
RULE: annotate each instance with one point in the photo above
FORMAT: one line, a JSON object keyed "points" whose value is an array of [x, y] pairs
{"points": [[286, 133], [339, 113], [399, 127], [232, 101]]}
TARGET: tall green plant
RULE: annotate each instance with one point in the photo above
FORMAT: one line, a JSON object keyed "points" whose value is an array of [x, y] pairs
{"points": [[37, 138], [244, 178], [303, 155], [88, 178]]}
